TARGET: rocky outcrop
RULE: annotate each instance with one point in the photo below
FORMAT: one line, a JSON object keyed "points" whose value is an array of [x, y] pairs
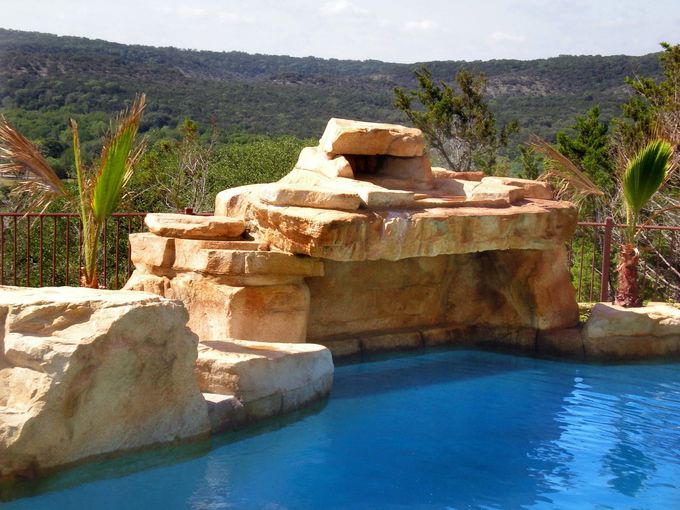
{"points": [[368, 192], [86, 372], [364, 242]]}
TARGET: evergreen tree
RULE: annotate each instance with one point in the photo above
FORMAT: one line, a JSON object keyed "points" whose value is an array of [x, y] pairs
{"points": [[654, 107], [589, 148], [457, 122]]}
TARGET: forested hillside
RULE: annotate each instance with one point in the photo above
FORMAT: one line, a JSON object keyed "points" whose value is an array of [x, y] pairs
{"points": [[45, 78]]}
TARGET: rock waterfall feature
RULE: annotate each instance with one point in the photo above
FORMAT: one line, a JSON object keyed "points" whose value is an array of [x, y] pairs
{"points": [[365, 247]]}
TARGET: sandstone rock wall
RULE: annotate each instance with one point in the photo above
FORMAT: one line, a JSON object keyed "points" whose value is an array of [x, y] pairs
{"points": [[363, 238], [501, 289]]}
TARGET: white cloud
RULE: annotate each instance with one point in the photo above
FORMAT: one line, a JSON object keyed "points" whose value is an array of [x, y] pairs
{"points": [[506, 37], [232, 18], [425, 25], [617, 23], [190, 12], [341, 7]]}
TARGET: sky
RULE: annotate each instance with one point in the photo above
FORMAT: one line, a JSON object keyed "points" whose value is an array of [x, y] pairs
{"points": [[389, 30]]}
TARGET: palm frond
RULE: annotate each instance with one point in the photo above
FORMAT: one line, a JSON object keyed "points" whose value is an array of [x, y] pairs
{"points": [[24, 162], [117, 160], [83, 188], [570, 178], [645, 174]]}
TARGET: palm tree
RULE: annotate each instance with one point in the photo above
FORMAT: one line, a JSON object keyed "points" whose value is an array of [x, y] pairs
{"points": [[643, 177], [100, 186]]}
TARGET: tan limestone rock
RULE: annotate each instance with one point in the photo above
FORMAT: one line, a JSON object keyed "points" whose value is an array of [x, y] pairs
{"points": [[369, 138], [504, 290], [194, 256], [151, 251], [372, 195], [394, 235], [493, 190], [316, 160], [531, 189], [254, 370], [144, 280], [377, 197], [186, 226], [267, 310], [230, 202], [444, 173], [613, 332], [90, 372], [343, 347], [655, 319], [310, 196], [247, 381]]}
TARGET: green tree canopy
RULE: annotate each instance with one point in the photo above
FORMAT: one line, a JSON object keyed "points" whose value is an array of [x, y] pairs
{"points": [[456, 120], [589, 148], [654, 108]]}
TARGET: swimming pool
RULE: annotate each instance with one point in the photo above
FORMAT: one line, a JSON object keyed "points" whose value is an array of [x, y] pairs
{"points": [[444, 430]]}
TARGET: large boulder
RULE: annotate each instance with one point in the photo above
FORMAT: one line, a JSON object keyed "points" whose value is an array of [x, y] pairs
{"points": [[343, 136], [614, 332], [86, 372]]}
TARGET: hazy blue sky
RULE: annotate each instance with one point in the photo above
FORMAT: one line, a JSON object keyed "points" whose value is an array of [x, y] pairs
{"points": [[393, 30]]}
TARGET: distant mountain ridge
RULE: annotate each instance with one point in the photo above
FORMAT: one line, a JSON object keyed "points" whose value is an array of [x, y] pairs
{"points": [[268, 94]]}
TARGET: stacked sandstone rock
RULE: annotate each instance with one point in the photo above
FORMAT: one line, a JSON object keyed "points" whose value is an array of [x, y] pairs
{"points": [[241, 296], [364, 246], [88, 372]]}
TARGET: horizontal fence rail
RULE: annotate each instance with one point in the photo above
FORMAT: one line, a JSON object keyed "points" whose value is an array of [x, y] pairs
{"points": [[45, 249]]}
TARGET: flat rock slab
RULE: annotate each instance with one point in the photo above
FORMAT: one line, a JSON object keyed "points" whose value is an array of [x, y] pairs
{"points": [[530, 189], [86, 372], [444, 173], [369, 138], [185, 226], [398, 234], [309, 196], [191, 255], [156, 255], [372, 196], [614, 333], [267, 379]]}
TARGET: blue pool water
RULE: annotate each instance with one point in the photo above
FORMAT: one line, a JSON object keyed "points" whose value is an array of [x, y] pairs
{"points": [[446, 430]]}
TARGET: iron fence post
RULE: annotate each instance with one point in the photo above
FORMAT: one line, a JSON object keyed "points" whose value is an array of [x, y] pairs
{"points": [[606, 259]]}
